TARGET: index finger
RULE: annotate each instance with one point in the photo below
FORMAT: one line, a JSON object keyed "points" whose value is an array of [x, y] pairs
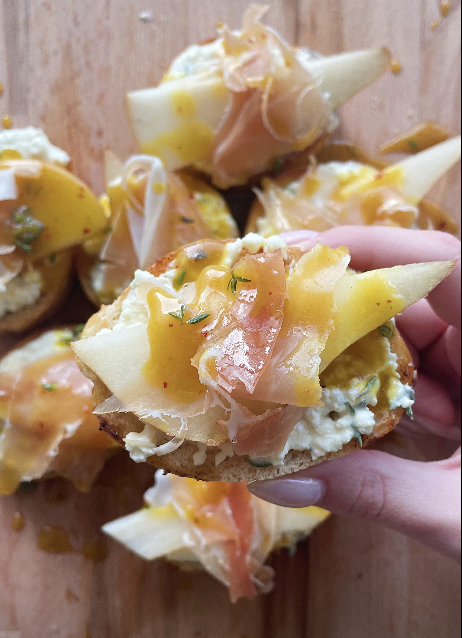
{"points": [[374, 247]]}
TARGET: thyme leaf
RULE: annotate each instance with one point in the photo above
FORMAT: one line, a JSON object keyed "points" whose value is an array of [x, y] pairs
{"points": [[233, 283], [199, 318], [410, 412], [26, 229], [187, 220], [413, 144], [180, 280], [178, 315], [357, 435], [369, 385]]}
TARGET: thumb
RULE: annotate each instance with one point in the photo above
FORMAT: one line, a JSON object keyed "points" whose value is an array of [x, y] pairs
{"points": [[421, 500]]}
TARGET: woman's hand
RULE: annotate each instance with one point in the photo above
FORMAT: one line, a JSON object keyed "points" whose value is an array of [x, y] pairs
{"points": [[419, 499]]}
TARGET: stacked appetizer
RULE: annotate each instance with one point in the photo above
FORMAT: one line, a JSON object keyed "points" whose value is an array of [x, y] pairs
{"points": [[217, 360]]}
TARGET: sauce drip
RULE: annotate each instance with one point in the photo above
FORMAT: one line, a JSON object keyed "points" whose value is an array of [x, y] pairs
{"points": [[418, 138], [396, 67], [446, 7], [18, 522], [2, 88], [54, 540], [7, 122], [95, 551]]}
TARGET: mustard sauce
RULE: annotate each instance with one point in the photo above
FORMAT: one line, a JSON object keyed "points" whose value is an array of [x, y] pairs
{"points": [[7, 122], [311, 307], [191, 141], [417, 139], [49, 395], [95, 551], [363, 360], [396, 67], [178, 332], [18, 522], [367, 300], [446, 7], [54, 540], [2, 88]]}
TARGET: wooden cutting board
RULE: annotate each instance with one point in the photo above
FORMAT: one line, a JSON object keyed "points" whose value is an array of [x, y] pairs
{"points": [[66, 66]]}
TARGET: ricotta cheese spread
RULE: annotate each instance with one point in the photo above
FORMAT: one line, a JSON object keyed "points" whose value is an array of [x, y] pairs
{"points": [[24, 290], [32, 143]]}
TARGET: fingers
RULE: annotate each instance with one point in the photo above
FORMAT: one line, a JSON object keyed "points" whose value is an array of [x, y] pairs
{"points": [[421, 500], [420, 325], [434, 410], [374, 247], [442, 361]]}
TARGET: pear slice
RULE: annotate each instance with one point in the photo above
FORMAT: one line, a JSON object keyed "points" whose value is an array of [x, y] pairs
{"points": [[113, 168], [423, 170], [177, 120], [69, 211], [368, 300], [344, 75], [150, 533]]}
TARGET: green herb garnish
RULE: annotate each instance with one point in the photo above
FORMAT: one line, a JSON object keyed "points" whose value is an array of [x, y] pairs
{"points": [[258, 462], [180, 280], [49, 386], [199, 318], [52, 258], [178, 315], [357, 435], [351, 408], [73, 335], [26, 229], [278, 165], [200, 255], [369, 385], [410, 412], [413, 144], [233, 283], [187, 220], [386, 331]]}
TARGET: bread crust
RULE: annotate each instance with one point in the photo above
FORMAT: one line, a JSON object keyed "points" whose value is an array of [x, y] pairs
{"points": [[57, 283], [236, 469]]}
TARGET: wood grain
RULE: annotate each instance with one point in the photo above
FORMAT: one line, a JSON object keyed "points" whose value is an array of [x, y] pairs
{"points": [[66, 66]]}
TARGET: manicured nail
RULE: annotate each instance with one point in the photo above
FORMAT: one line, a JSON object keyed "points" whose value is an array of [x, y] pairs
{"points": [[290, 492], [297, 237]]}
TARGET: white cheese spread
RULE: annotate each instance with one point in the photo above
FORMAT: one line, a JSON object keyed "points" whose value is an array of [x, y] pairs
{"points": [[24, 290], [32, 143]]}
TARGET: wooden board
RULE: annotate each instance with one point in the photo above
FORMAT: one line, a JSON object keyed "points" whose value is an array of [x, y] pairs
{"points": [[66, 66]]}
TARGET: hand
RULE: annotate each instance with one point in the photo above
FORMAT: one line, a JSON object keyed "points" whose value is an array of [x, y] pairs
{"points": [[419, 499]]}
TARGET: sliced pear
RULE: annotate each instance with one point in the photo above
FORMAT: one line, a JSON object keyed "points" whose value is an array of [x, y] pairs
{"points": [[344, 75], [113, 168], [177, 120], [150, 533], [68, 210], [414, 176], [422, 171], [368, 300]]}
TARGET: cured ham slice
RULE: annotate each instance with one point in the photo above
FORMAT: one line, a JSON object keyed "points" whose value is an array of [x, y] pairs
{"points": [[244, 339], [292, 376]]}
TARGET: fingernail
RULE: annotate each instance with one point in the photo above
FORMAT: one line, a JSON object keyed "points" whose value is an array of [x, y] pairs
{"points": [[296, 237], [289, 492]]}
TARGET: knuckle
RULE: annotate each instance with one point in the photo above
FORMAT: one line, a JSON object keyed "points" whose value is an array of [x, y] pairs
{"points": [[370, 500]]}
